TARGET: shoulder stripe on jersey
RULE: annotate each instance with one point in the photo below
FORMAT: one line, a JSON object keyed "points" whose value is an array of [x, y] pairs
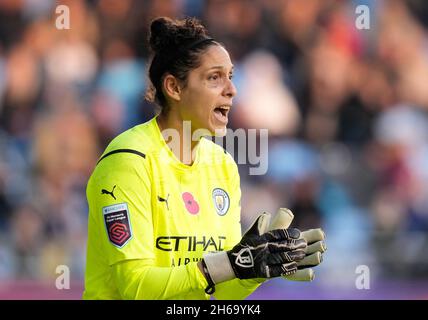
{"points": [[122, 151]]}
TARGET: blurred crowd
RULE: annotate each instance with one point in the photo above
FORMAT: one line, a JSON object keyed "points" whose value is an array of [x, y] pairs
{"points": [[346, 111]]}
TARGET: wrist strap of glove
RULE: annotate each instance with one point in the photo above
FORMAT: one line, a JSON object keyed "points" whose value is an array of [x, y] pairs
{"points": [[210, 289], [219, 267]]}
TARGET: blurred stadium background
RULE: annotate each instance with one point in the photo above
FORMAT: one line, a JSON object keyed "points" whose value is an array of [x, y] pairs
{"points": [[346, 111]]}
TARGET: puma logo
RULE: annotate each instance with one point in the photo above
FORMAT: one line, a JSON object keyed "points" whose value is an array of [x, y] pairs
{"points": [[104, 191], [164, 200]]}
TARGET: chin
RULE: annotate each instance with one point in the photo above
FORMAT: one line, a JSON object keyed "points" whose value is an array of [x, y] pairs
{"points": [[220, 131]]}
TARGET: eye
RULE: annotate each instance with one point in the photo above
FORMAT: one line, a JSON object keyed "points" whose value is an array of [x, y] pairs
{"points": [[230, 76], [214, 76]]}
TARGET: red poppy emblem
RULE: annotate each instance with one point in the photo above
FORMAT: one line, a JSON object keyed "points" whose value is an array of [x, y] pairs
{"points": [[191, 205]]}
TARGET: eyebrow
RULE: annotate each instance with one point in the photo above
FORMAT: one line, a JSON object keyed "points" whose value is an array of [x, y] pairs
{"points": [[219, 67]]}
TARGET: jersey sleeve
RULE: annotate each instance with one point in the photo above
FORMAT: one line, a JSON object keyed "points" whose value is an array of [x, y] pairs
{"points": [[122, 216], [138, 281], [236, 289], [119, 198]]}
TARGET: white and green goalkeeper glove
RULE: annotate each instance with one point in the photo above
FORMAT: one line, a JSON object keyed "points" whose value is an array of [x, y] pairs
{"points": [[259, 254]]}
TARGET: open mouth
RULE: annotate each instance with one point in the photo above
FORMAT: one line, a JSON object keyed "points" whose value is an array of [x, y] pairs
{"points": [[223, 110]]}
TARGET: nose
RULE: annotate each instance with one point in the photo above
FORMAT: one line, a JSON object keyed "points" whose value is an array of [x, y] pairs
{"points": [[230, 89]]}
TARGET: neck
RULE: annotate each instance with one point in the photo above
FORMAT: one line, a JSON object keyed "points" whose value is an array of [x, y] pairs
{"points": [[173, 129]]}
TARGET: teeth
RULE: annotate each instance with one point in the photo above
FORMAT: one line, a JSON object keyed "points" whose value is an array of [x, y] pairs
{"points": [[223, 110]]}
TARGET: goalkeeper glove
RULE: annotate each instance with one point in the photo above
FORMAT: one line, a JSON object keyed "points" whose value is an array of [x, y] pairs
{"points": [[258, 255], [316, 246]]}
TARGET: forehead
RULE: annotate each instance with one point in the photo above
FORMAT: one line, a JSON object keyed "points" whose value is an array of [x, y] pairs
{"points": [[215, 56]]}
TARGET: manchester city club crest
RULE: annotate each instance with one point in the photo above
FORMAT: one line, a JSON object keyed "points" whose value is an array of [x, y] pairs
{"points": [[221, 201]]}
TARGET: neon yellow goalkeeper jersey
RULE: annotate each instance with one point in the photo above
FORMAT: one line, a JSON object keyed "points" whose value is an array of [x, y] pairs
{"points": [[146, 205]]}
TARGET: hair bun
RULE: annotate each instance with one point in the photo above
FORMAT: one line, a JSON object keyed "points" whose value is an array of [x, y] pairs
{"points": [[166, 34], [160, 34]]}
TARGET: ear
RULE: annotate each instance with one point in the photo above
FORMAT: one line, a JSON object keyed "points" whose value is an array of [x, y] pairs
{"points": [[171, 87]]}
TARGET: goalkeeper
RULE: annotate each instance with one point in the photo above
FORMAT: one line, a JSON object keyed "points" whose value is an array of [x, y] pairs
{"points": [[164, 223]]}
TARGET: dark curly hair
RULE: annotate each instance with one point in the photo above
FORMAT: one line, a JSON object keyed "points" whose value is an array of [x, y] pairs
{"points": [[177, 46]]}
